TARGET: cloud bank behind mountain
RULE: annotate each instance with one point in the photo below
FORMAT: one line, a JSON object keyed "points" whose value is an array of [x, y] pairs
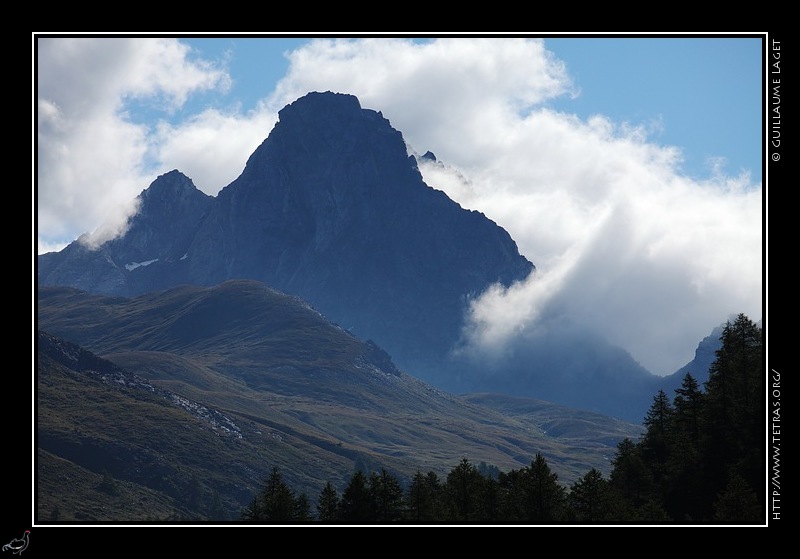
{"points": [[623, 240]]}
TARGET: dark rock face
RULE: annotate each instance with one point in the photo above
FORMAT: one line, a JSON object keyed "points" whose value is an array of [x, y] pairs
{"points": [[78, 266], [171, 210], [332, 209], [329, 208], [151, 255]]}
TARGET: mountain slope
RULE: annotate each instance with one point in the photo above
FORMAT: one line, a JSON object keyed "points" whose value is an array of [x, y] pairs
{"points": [[294, 390], [109, 444]]}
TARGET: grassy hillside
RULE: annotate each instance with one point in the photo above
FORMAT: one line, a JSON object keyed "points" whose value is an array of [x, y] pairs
{"points": [[188, 421]]}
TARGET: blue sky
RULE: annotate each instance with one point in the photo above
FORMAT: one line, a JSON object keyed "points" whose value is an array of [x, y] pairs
{"points": [[627, 169], [693, 87], [684, 89]]}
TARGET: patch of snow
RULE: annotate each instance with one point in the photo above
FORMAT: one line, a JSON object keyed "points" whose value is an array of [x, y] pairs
{"points": [[134, 265]]}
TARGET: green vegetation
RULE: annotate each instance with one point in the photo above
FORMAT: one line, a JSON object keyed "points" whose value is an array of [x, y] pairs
{"points": [[530, 495], [700, 461]]}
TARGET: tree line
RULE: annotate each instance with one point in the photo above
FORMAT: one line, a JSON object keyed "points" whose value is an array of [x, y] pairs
{"points": [[700, 460]]}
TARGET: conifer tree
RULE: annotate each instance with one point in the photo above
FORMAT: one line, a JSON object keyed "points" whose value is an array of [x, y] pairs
{"points": [[734, 437], [738, 503], [630, 477], [635, 495], [463, 490], [328, 504], [274, 503], [386, 495], [705, 450], [490, 511], [512, 499], [655, 444], [684, 481], [543, 496], [423, 498], [590, 499], [302, 511], [356, 506]]}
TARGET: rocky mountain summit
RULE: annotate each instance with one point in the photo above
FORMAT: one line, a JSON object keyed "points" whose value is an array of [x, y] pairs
{"points": [[331, 208], [150, 255]]}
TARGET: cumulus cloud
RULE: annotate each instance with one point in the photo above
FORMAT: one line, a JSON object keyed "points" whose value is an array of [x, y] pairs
{"points": [[92, 158], [624, 244]]}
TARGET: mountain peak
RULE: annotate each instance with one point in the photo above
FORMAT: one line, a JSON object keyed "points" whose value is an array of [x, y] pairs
{"points": [[329, 208], [329, 136], [316, 103], [172, 188], [171, 209]]}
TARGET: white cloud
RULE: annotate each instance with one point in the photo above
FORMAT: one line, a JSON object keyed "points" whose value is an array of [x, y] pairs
{"points": [[211, 148], [425, 90], [91, 157], [623, 243]]}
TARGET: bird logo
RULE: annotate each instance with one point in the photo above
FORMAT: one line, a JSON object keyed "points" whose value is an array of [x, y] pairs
{"points": [[18, 545]]}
